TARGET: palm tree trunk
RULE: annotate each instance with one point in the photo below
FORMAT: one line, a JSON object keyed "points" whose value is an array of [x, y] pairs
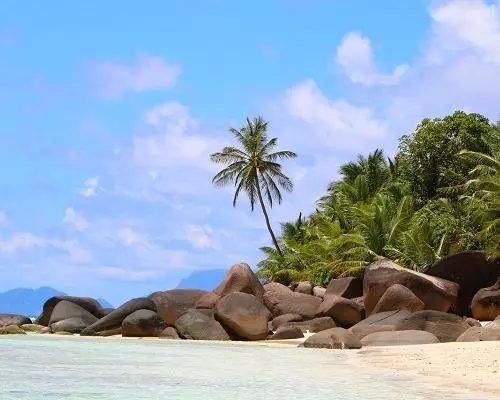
{"points": [[264, 211]]}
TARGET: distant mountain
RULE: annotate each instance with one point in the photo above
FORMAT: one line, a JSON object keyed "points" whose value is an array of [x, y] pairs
{"points": [[29, 302], [205, 279], [104, 303]]}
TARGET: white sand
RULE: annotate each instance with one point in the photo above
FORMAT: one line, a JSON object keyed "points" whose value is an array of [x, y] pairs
{"points": [[471, 366]]}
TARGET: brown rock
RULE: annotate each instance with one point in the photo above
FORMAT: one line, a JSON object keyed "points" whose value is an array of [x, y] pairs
{"points": [[486, 303], [436, 293], [304, 287], [398, 297], [13, 319], [447, 327], [196, 325], [66, 309], [142, 323], [345, 312], [169, 333], [281, 300], [11, 330], [110, 332], [72, 325], [243, 315], [319, 291], [208, 300], [335, 338], [313, 325], [240, 278], [287, 332], [35, 328], [283, 319], [380, 322], [480, 334], [399, 338], [473, 322], [172, 303], [87, 303], [348, 288], [471, 270]]}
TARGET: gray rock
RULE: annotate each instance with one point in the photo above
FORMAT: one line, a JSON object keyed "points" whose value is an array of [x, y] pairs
{"points": [[399, 338], [196, 325], [313, 325], [287, 332], [142, 323], [335, 338], [13, 319]]}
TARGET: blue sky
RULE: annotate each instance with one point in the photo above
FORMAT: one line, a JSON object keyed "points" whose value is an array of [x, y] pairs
{"points": [[109, 112]]}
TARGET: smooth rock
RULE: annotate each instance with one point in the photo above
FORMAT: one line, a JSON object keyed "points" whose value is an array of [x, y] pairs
{"points": [[110, 332], [335, 338], [172, 303], [87, 303], [345, 312], [447, 327], [11, 330], [115, 318], [471, 270], [66, 310], [399, 338], [312, 325], [473, 322], [196, 325], [287, 332], [281, 300], [486, 303], [480, 334], [71, 325], [319, 291], [304, 287], [240, 278], [347, 288], [243, 315], [13, 319], [380, 322], [283, 319], [35, 328], [208, 300], [169, 333], [142, 323], [436, 293], [398, 297]]}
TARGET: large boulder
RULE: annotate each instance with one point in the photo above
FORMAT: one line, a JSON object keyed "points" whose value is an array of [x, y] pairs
{"points": [[447, 327], [35, 328], [11, 330], [283, 319], [305, 287], [471, 270], [243, 315], [66, 310], [486, 303], [312, 325], [398, 297], [335, 338], [115, 318], [70, 325], [169, 333], [348, 287], [345, 312], [13, 319], [142, 323], [87, 303], [281, 300], [480, 334], [399, 338], [171, 304], [208, 300], [240, 278], [287, 332], [380, 322], [196, 325], [436, 293], [319, 291]]}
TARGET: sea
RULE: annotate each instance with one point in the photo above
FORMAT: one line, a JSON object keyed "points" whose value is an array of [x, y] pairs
{"points": [[47, 367]]}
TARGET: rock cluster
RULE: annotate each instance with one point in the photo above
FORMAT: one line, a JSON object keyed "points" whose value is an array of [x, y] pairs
{"points": [[390, 305]]}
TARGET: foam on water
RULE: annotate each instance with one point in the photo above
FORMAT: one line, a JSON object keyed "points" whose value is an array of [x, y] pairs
{"points": [[43, 367]]}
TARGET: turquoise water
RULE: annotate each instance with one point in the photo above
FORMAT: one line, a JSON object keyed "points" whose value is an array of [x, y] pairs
{"points": [[41, 367]]}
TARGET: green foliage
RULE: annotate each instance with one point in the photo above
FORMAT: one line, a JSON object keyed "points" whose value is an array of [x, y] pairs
{"points": [[439, 195], [253, 168]]}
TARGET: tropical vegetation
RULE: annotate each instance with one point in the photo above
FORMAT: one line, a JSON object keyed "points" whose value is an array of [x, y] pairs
{"points": [[438, 195]]}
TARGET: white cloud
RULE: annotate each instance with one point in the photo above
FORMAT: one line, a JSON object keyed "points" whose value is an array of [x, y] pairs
{"points": [[90, 187], [126, 274], [75, 219], [200, 236], [131, 238], [355, 58], [146, 74], [336, 124]]}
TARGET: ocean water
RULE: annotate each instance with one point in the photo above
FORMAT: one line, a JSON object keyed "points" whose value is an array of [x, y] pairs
{"points": [[39, 367]]}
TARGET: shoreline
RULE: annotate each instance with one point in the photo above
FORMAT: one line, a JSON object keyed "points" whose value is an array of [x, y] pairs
{"points": [[464, 368]]}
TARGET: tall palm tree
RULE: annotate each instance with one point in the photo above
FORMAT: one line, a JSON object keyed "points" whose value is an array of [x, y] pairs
{"points": [[253, 167]]}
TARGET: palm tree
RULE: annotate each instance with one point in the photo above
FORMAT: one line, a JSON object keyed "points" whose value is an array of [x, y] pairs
{"points": [[253, 167]]}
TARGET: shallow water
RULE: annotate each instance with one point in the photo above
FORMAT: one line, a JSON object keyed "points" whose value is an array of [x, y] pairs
{"points": [[42, 367]]}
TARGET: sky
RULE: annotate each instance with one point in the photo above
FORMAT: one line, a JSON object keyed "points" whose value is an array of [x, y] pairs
{"points": [[109, 112]]}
